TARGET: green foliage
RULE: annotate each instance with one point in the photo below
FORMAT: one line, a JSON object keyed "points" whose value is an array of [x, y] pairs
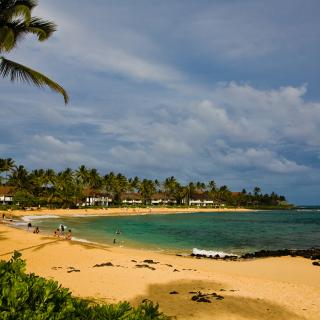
{"points": [[29, 297], [16, 21], [24, 199]]}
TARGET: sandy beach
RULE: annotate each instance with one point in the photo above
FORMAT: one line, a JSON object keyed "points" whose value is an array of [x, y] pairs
{"points": [[115, 211], [273, 288]]}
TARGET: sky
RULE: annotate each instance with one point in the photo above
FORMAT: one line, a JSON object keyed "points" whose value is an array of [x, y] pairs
{"points": [[201, 90]]}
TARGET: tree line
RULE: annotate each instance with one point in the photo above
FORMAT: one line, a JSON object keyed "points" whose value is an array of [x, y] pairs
{"points": [[68, 188]]}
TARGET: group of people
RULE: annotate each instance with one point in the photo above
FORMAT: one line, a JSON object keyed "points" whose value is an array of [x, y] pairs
{"points": [[35, 230], [59, 232]]}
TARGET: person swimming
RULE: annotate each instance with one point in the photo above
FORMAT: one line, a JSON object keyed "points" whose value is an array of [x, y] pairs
{"points": [[118, 232]]}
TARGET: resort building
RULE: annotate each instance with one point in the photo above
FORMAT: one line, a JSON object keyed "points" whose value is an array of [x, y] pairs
{"points": [[131, 198], [6, 194], [202, 199], [96, 198], [160, 198]]}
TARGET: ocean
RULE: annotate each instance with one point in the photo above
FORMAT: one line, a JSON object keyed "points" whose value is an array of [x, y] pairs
{"points": [[228, 232]]}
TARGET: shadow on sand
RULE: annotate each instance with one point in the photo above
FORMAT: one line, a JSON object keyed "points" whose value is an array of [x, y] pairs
{"points": [[180, 305]]}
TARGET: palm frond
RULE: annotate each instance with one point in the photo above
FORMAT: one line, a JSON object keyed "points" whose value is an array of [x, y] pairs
{"points": [[19, 10], [18, 72], [7, 39], [42, 28]]}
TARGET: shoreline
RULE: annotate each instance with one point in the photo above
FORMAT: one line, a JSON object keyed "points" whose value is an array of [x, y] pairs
{"points": [[271, 288], [121, 211]]}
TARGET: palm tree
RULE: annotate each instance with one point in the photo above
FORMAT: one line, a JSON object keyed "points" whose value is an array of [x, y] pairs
{"points": [[15, 22], [147, 188], [6, 165], [82, 175], [20, 178]]}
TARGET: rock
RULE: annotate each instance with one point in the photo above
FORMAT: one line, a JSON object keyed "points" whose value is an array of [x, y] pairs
{"points": [[106, 264], [73, 270], [145, 266], [150, 261], [316, 263], [134, 261], [174, 292], [203, 299], [176, 270]]}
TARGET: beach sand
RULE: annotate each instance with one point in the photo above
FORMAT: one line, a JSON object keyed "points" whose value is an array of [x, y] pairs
{"points": [[272, 288], [115, 211]]}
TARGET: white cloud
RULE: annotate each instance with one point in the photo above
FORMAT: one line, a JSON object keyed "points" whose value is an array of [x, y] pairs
{"points": [[239, 127], [45, 150]]}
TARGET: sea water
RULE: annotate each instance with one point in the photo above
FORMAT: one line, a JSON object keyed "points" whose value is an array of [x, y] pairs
{"points": [[224, 232]]}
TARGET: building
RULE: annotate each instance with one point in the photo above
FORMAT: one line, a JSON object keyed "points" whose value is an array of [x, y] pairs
{"points": [[96, 198], [131, 198], [6, 194], [161, 198], [202, 199]]}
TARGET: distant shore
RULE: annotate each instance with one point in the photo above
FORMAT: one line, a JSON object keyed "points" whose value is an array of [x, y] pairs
{"points": [[121, 211], [266, 289]]}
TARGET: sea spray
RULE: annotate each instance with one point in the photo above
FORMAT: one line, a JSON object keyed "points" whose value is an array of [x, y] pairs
{"points": [[211, 253]]}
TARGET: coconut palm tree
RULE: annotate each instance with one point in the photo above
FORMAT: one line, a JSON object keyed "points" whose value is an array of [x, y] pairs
{"points": [[16, 21], [6, 165], [147, 188], [20, 178]]}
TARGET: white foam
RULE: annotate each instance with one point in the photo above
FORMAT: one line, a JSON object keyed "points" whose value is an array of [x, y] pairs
{"points": [[212, 253], [83, 240], [31, 218]]}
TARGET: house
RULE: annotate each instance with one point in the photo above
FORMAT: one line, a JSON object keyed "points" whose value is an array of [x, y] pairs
{"points": [[201, 199], [161, 198], [6, 194], [96, 198], [131, 198]]}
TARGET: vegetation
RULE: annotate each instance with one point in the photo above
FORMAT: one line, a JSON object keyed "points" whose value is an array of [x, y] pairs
{"points": [[16, 21], [69, 188], [29, 297]]}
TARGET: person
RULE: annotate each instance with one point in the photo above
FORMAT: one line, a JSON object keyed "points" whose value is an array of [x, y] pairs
{"points": [[61, 227], [3, 216], [114, 240], [69, 235], [29, 225], [36, 230], [56, 233], [118, 232]]}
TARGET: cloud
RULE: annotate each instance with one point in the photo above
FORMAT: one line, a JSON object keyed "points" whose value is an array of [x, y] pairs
{"points": [[238, 128], [48, 150], [200, 90]]}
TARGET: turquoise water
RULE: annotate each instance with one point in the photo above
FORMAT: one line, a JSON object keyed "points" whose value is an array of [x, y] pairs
{"points": [[228, 232]]}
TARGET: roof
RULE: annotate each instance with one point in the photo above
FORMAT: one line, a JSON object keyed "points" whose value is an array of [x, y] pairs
{"points": [[7, 191], [235, 194], [130, 196], [88, 192], [200, 196]]}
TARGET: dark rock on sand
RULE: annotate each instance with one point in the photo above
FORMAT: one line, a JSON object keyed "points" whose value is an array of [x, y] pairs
{"points": [[150, 261], [73, 270], [106, 264], [145, 266], [176, 270], [174, 292], [205, 297], [311, 253]]}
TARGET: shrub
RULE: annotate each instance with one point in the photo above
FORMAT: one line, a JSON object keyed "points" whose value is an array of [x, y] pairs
{"points": [[29, 297]]}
